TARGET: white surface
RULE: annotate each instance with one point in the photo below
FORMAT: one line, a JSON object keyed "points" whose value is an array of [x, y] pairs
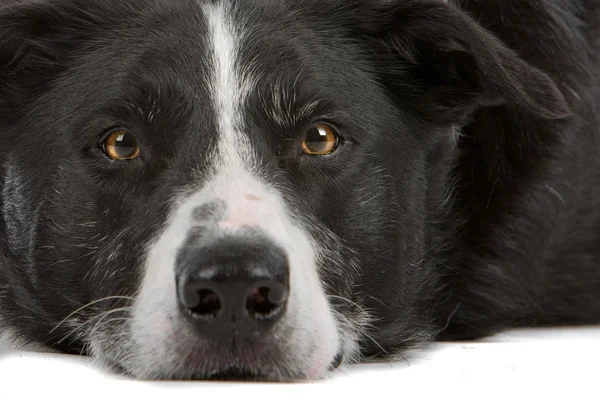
{"points": [[526, 364]]}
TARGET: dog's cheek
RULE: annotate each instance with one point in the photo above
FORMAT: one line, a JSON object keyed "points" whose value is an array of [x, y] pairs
{"points": [[85, 240], [64, 244], [385, 226]]}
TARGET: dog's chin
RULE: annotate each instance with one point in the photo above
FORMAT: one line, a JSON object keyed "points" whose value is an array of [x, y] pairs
{"points": [[274, 372], [237, 374], [229, 374]]}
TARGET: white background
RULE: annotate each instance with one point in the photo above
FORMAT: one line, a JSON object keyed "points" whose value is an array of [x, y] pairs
{"points": [[527, 364]]}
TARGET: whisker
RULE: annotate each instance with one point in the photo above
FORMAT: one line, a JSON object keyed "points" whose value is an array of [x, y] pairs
{"points": [[91, 304], [79, 329], [349, 301], [106, 314]]}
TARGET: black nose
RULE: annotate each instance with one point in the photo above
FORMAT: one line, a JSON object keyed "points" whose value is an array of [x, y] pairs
{"points": [[233, 287]]}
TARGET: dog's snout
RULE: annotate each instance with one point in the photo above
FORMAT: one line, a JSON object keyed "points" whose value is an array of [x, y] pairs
{"points": [[234, 287]]}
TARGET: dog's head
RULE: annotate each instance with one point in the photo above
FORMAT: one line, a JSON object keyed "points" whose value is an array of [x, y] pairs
{"points": [[204, 188]]}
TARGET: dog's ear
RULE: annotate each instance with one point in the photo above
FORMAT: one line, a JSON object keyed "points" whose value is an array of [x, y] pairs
{"points": [[435, 57], [36, 39]]}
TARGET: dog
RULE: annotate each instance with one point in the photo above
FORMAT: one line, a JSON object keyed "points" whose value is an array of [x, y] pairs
{"points": [[269, 189]]}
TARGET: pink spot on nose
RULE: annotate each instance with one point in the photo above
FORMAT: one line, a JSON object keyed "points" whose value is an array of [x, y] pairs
{"points": [[316, 370], [251, 197], [227, 224]]}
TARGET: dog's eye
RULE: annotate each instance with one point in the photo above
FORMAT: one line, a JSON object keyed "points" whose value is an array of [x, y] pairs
{"points": [[121, 145], [320, 140]]}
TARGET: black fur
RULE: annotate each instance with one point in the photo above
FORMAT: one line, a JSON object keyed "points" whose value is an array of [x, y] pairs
{"points": [[467, 187]]}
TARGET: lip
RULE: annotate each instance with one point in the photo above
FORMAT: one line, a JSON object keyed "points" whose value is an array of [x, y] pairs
{"points": [[337, 361], [236, 374]]}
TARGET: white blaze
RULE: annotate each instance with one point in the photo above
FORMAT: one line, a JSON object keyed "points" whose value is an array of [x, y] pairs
{"points": [[234, 149]]}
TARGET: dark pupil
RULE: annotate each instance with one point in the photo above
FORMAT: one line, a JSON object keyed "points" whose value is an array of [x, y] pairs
{"points": [[124, 145], [317, 140]]}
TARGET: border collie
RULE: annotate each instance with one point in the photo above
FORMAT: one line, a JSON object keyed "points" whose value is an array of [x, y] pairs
{"points": [[266, 189]]}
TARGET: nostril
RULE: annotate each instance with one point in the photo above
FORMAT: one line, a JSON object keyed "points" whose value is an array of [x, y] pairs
{"points": [[264, 301], [207, 304]]}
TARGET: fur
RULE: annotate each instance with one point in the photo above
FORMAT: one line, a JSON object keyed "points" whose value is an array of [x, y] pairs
{"points": [[462, 199]]}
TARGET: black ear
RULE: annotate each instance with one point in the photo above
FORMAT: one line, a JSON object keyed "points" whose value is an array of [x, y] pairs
{"points": [[36, 41], [436, 58]]}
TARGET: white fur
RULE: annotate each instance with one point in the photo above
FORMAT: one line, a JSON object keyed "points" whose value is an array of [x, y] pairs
{"points": [[229, 92], [235, 181], [10, 340]]}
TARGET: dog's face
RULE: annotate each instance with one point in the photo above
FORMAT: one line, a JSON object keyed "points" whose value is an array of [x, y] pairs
{"points": [[195, 189]]}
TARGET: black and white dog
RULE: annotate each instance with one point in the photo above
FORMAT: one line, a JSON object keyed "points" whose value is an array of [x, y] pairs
{"points": [[264, 189]]}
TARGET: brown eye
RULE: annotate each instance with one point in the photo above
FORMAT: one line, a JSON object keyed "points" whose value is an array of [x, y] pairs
{"points": [[121, 145], [320, 140]]}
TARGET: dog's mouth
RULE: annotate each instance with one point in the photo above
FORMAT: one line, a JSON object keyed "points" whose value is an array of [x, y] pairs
{"points": [[236, 374], [233, 374], [248, 374], [245, 374]]}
